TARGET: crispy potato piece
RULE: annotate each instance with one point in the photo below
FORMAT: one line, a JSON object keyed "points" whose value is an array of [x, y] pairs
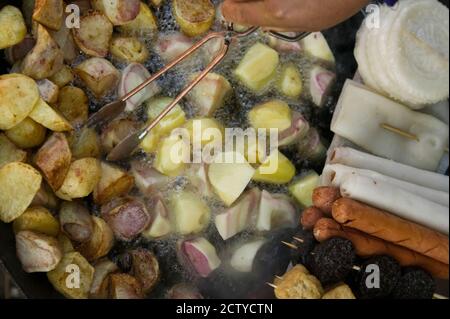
{"points": [[27, 134], [44, 114], [118, 11], [114, 182], [13, 27], [37, 219], [67, 286], [19, 95], [45, 59], [94, 35], [37, 252], [53, 159], [101, 242], [85, 143], [62, 77], [19, 183], [48, 90], [73, 103], [100, 285], [49, 13], [145, 23], [129, 49], [81, 179], [99, 75], [9, 152], [123, 286], [195, 17]]}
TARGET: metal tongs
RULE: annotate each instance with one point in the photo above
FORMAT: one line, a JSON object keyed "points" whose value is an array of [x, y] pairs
{"points": [[110, 111]]}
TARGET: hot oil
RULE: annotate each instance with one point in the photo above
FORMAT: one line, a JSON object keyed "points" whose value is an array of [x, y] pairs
{"points": [[232, 115]]}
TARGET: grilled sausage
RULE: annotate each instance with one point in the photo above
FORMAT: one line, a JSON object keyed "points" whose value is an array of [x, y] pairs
{"points": [[310, 217], [324, 197], [391, 228]]}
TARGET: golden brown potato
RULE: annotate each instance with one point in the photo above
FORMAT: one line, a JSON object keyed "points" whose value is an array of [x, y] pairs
{"points": [[39, 220], [129, 50], [101, 242], [49, 13], [195, 17], [99, 75], [19, 95], [81, 179], [9, 152], [94, 35], [114, 182], [45, 59], [19, 183], [100, 284], [118, 11], [62, 77], [85, 143], [48, 90], [45, 115], [145, 23], [73, 103], [123, 286], [12, 25], [27, 134], [53, 159], [71, 265], [37, 252]]}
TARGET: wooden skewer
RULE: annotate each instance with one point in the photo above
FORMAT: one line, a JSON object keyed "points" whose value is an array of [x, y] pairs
{"points": [[299, 240], [400, 132], [271, 285], [289, 245]]}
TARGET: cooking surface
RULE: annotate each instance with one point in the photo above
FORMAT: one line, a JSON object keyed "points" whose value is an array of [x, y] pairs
{"points": [[341, 40]]}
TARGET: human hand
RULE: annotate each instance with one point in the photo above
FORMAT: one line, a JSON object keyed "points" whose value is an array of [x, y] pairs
{"points": [[291, 15]]}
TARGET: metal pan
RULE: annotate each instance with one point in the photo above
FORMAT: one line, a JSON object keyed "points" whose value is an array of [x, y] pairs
{"points": [[36, 286]]}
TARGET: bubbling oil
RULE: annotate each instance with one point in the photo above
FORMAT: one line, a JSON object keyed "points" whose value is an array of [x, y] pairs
{"points": [[232, 115]]}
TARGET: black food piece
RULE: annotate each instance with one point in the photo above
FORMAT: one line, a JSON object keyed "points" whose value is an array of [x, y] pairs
{"points": [[273, 258], [389, 271], [302, 255], [415, 283], [332, 261], [220, 285]]}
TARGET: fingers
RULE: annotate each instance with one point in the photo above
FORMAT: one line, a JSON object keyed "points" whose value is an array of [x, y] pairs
{"points": [[248, 13]]}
